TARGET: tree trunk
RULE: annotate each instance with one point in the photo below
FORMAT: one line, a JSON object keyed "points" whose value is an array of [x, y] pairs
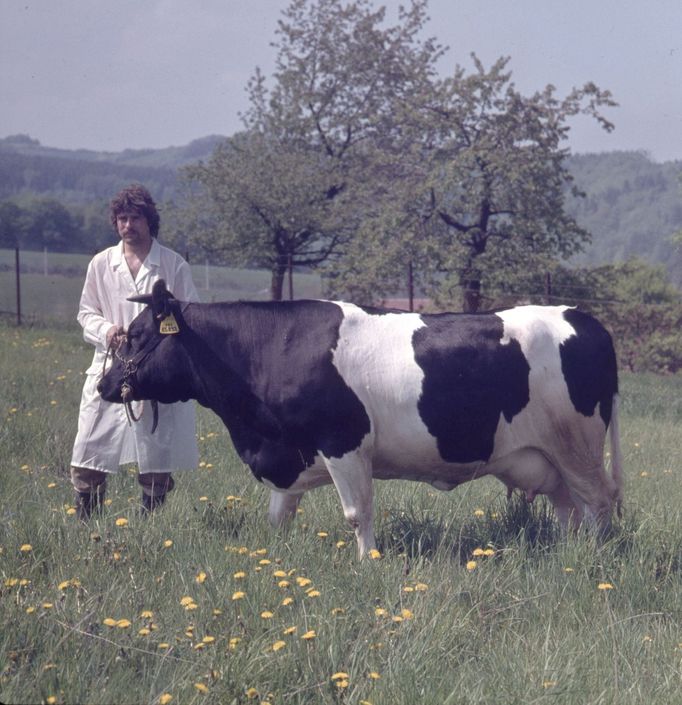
{"points": [[471, 294], [277, 281]]}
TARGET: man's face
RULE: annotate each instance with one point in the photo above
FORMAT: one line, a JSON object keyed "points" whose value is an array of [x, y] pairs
{"points": [[133, 228]]}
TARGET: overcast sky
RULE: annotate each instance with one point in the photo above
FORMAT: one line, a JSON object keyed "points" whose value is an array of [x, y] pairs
{"points": [[110, 75]]}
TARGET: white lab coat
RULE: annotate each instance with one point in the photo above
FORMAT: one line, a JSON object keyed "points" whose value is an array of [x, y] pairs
{"points": [[105, 439]]}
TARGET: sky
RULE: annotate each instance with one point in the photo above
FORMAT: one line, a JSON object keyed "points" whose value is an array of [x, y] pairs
{"points": [[138, 74]]}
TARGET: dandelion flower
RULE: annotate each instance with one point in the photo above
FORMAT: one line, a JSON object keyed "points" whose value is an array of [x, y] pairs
{"points": [[164, 645], [310, 634], [339, 676], [471, 565], [239, 575], [278, 645], [266, 614], [283, 584], [406, 614], [144, 631], [340, 544], [167, 543], [201, 687], [604, 586], [380, 612], [238, 595], [109, 622], [338, 610], [208, 639], [26, 548], [64, 584], [251, 693], [549, 684], [287, 601], [186, 600], [479, 513], [421, 587], [303, 582], [290, 630], [374, 554], [313, 593], [374, 675], [165, 699], [123, 623], [322, 534], [146, 614], [121, 521], [201, 577], [477, 552], [233, 642]]}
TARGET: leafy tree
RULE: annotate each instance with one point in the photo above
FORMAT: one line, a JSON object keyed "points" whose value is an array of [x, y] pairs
{"points": [[297, 185], [10, 224]]}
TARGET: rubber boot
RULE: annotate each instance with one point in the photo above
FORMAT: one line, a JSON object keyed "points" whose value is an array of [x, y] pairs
{"points": [[150, 503], [89, 502]]}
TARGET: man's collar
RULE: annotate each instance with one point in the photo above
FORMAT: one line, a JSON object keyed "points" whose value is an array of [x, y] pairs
{"points": [[153, 258]]}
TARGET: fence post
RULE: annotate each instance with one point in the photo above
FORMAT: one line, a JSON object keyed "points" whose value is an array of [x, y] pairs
{"points": [[18, 280], [290, 267]]}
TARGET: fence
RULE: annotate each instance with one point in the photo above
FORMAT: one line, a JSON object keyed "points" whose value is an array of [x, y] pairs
{"points": [[40, 286]]}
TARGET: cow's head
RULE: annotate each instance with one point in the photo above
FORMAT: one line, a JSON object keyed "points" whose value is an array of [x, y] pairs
{"points": [[152, 362]]}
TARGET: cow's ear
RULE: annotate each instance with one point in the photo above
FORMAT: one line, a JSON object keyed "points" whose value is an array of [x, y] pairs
{"points": [[160, 298]]}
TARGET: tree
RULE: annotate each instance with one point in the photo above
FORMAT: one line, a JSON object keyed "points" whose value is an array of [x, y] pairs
{"points": [[499, 180], [295, 187]]}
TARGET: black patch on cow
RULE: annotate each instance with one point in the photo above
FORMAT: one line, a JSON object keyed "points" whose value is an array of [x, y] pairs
{"points": [[283, 352], [470, 378], [588, 363]]}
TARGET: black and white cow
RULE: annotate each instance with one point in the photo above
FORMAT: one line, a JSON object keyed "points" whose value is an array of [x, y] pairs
{"points": [[315, 392]]}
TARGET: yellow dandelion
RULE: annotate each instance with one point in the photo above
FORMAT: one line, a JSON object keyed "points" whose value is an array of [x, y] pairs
{"points": [[569, 570], [51, 485], [164, 645], [266, 614], [239, 575], [11, 582], [47, 605], [109, 622], [303, 582], [30, 610], [338, 610], [64, 584], [186, 600], [322, 534], [290, 630], [471, 565], [380, 612], [251, 693], [264, 561], [146, 614], [287, 601], [201, 687], [313, 593], [342, 684], [373, 675], [406, 614], [51, 699], [374, 554], [165, 698], [201, 577], [407, 588], [123, 623], [232, 643], [604, 586], [421, 587], [364, 702], [477, 552], [341, 675], [340, 544], [283, 584], [167, 543], [191, 606], [238, 595], [310, 634], [25, 548], [144, 631], [121, 521], [208, 639], [279, 644], [280, 574], [217, 612]]}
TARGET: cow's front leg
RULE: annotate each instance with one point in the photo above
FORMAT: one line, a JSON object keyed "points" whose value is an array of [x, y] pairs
{"points": [[352, 476], [283, 506]]}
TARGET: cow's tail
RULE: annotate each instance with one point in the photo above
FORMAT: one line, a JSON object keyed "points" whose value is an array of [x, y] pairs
{"points": [[616, 457]]}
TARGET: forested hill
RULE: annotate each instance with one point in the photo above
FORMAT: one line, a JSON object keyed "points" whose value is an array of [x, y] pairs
{"points": [[82, 176], [632, 205]]}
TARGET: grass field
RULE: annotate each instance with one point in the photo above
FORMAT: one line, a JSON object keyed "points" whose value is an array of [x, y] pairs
{"points": [[473, 600]]}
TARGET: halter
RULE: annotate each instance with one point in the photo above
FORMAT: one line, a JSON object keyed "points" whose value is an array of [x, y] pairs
{"points": [[130, 366]]}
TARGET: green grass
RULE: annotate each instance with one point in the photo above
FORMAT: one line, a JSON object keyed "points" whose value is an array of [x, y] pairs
{"points": [[527, 624]]}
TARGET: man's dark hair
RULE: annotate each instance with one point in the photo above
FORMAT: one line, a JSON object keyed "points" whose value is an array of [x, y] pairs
{"points": [[136, 199]]}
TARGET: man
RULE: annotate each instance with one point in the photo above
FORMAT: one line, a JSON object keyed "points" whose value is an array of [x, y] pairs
{"points": [[105, 438]]}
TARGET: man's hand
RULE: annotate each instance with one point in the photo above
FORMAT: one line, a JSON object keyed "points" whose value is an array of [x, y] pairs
{"points": [[115, 336]]}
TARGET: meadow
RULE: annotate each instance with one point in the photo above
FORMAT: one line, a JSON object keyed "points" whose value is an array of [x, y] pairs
{"points": [[473, 599]]}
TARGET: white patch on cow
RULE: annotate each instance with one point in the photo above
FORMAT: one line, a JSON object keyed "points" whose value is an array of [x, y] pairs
{"points": [[375, 357], [548, 447]]}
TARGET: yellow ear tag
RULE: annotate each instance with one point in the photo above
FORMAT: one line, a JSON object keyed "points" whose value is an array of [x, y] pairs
{"points": [[169, 326]]}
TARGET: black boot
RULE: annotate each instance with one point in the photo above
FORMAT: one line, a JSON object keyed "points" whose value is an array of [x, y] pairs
{"points": [[149, 503], [89, 502]]}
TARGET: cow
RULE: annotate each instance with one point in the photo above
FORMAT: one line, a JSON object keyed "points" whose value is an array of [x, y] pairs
{"points": [[316, 392]]}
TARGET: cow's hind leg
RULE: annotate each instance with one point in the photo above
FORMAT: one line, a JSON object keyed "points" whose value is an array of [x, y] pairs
{"points": [[283, 506], [352, 476]]}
